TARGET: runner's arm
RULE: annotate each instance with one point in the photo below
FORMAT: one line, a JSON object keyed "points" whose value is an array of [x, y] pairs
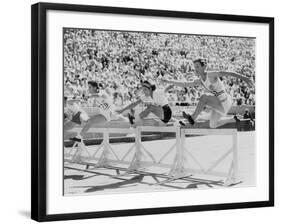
{"points": [[168, 88], [130, 106], [236, 75], [195, 82]]}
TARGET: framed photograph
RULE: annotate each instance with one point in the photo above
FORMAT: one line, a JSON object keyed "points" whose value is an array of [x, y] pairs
{"points": [[140, 111]]}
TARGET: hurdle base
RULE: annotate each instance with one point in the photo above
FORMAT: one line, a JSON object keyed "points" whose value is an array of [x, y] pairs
{"points": [[178, 173], [171, 179], [135, 166], [229, 182]]}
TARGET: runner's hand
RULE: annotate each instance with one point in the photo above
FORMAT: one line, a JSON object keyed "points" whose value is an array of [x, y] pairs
{"points": [[119, 111]]}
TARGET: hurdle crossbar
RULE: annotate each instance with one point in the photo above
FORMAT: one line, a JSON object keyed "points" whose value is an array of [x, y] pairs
{"points": [[201, 131], [157, 129], [113, 130]]}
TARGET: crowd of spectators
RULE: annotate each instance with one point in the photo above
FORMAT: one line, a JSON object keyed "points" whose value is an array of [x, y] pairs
{"points": [[120, 60]]}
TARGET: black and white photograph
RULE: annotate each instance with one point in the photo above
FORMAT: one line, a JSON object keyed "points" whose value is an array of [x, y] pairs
{"points": [[121, 111], [150, 111], [141, 111]]}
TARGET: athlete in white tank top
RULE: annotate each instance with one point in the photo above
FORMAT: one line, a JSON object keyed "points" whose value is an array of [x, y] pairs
{"points": [[220, 102], [100, 103], [216, 88]]}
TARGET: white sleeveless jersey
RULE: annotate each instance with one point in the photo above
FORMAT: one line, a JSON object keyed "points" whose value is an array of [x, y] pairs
{"points": [[100, 104], [217, 88]]}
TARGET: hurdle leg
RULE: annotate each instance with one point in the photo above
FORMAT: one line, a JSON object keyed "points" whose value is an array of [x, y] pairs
{"points": [[235, 156], [229, 180], [77, 155], [233, 177], [74, 148], [186, 153], [178, 169], [136, 161], [69, 152], [103, 161]]}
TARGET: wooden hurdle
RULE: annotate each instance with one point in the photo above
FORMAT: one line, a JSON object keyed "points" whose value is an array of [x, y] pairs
{"points": [[138, 163], [105, 148], [178, 169]]}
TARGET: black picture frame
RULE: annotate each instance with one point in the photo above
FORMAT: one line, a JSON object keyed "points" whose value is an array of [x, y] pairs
{"points": [[39, 110]]}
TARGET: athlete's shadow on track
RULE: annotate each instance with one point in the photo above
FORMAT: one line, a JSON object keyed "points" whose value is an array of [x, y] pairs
{"points": [[210, 185], [133, 180], [77, 177]]}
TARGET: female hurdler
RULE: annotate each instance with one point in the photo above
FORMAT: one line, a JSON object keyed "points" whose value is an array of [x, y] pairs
{"points": [[218, 100], [155, 102], [100, 104]]}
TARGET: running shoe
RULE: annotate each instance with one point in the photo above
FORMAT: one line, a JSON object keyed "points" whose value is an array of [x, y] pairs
{"points": [[76, 139], [181, 123], [188, 117], [236, 118], [131, 118]]}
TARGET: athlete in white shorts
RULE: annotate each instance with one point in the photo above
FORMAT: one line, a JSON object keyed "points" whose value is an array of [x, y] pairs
{"points": [[217, 99]]}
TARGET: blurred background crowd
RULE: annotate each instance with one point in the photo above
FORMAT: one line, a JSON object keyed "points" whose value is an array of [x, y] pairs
{"points": [[118, 61]]}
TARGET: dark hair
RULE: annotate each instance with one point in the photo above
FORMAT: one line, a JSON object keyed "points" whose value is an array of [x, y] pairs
{"points": [[148, 85], [202, 61], [93, 84]]}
